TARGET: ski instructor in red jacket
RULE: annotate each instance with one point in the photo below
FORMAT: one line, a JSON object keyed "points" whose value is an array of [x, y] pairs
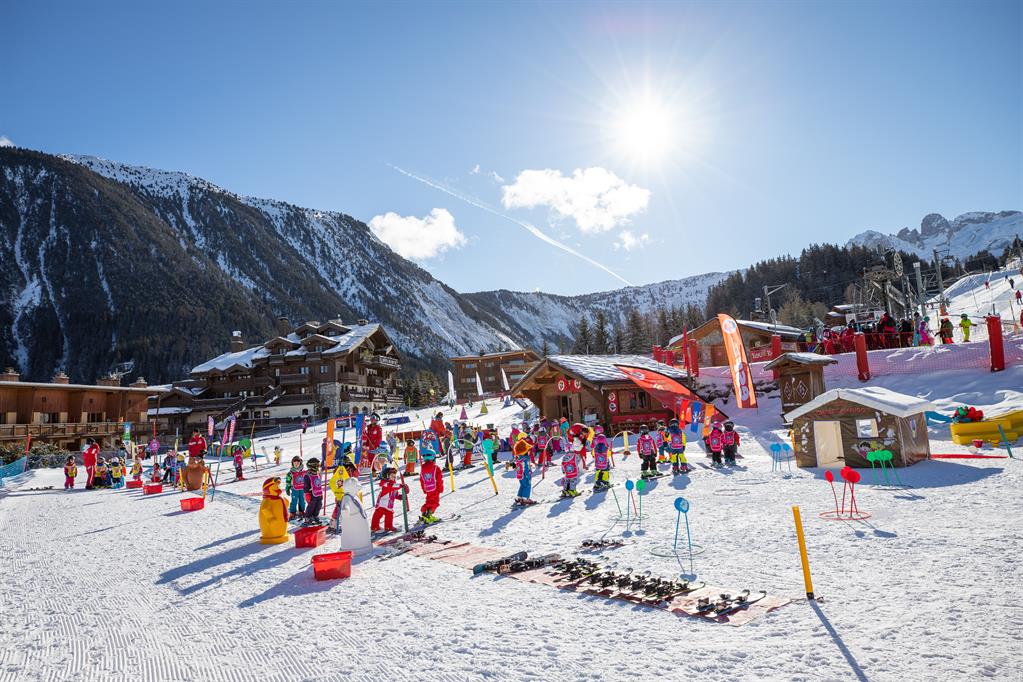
{"points": [[89, 457]]}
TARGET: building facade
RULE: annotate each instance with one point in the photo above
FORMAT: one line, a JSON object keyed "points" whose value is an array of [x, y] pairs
{"points": [[65, 414], [516, 364], [756, 337], [312, 372]]}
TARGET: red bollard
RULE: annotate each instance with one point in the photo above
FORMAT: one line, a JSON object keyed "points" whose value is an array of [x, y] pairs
{"points": [[994, 335], [775, 351], [862, 365]]}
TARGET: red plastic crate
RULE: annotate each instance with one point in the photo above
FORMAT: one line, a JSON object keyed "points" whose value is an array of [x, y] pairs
{"points": [[152, 488], [332, 566], [133, 484], [192, 503], [310, 536]]}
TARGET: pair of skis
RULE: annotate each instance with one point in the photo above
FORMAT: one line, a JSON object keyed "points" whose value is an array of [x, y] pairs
{"points": [[727, 604]]}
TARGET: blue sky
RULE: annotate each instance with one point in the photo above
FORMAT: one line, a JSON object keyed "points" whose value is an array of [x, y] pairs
{"points": [[650, 142]]}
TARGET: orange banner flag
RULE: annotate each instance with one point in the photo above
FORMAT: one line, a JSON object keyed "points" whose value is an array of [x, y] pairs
{"points": [[742, 378]]}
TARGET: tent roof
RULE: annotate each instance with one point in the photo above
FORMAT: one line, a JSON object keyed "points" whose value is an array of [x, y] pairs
{"points": [[801, 359], [898, 404]]}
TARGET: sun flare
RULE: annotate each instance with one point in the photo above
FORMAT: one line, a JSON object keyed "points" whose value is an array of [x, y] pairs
{"points": [[645, 130]]}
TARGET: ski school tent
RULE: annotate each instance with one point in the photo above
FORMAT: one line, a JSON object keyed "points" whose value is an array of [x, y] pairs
{"points": [[839, 427]]}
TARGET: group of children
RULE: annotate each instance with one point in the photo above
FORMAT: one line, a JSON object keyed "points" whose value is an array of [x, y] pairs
{"points": [[105, 475]]}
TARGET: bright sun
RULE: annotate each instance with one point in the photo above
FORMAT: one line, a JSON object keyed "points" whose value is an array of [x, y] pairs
{"points": [[645, 130]]}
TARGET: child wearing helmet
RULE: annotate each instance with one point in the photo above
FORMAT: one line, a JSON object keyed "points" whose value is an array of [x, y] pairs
{"points": [[965, 324], [155, 477], [601, 460], [730, 443], [314, 487], [540, 450], [646, 446], [390, 489], [677, 447], [431, 480], [70, 472], [523, 471], [116, 474], [661, 437], [179, 468], [236, 454], [570, 473], [136, 469], [715, 442], [411, 457], [294, 486]]}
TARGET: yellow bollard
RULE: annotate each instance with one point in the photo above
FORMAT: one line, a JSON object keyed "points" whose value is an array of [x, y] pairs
{"points": [[625, 443], [802, 552]]}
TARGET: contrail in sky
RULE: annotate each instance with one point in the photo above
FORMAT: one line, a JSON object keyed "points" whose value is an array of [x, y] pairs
{"points": [[530, 228]]}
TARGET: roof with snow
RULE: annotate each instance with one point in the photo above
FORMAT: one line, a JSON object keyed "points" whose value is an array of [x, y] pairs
{"points": [[247, 359], [801, 359], [890, 402], [601, 368], [782, 330]]}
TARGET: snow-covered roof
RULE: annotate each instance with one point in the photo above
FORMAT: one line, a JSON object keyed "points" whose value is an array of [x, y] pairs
{"points": [[898, 404], [802, 359], [247, 358], [154, 412], [780, 329], [601, 368]]}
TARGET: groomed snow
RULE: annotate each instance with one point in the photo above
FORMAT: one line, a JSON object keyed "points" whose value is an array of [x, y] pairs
{"points": [[111, 585]]}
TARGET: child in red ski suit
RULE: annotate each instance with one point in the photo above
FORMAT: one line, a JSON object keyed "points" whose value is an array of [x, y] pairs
{"points": [[237, 452], [70, 472], [730, 443], [431, 480], [390, 490], [716, 443], [646, 446]]}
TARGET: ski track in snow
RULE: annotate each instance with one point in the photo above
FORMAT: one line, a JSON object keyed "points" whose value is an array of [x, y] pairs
{"points": [[205, 601]]}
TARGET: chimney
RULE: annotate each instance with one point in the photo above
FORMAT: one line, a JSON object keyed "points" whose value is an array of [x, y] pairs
{"points": [[10, 374], [362, 323], [283, 326], [61, 378], [237, 343], [139, 383], [109, 380]]}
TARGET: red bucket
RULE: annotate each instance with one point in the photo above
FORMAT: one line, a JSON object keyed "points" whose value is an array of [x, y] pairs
{"points": [[332, 566], [978, 443], [192, 503], [152, 488], [133, 484], [310, 536]]}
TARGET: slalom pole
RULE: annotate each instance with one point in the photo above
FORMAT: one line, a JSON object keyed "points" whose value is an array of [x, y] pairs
{"points": [[802, 552], [616, 501], [252, 445], [404, 501], [451, 469], [490, 470]]}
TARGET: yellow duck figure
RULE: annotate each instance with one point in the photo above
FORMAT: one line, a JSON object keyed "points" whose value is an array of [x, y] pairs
{"points": [[273, 513]]}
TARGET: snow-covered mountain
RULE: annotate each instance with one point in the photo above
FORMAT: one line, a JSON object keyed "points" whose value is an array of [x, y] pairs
{"points": [[958, 238], [108, 262]]}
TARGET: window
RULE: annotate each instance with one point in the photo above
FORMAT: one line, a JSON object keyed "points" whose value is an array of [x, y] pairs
{"points": [[303, 369], [277, 371], [302, 390], [324, 369], [469, 365], [866, 428], [266, 414]]}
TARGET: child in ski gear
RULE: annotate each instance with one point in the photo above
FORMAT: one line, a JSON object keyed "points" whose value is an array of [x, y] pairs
{"points": [[277, 454], [965, 324], [179, 468], [372, 434], [945, 330], [431, 480], [294, 485], [136, 470], [70, 472], [237, 453], [411, 457], [554, 446], [116, 474], [730, 443], [677, 448], [570, 474], [168, 466], [341, 474], [646, 446], [314, 486], [157, 475], [716, 443], [601, 460], [662, 441], [523, 471], [100, 479], [389, 491]]}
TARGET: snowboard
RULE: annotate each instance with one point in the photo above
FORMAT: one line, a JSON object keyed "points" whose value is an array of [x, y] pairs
{"points": [[529, 564]]}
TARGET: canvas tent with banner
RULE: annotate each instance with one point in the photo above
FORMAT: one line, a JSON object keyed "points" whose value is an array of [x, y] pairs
{"points": [[839, 427]]}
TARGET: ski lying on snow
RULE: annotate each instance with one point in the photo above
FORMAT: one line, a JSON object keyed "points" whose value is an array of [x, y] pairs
{"points": [[495, 565]]}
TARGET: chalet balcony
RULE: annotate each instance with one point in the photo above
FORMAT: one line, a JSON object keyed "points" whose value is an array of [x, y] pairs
{"points": [[60, 430], [374, 360], [294, 379]]}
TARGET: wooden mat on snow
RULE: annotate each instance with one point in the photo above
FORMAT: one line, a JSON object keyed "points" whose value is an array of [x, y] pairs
{"points": [[466, 555]]}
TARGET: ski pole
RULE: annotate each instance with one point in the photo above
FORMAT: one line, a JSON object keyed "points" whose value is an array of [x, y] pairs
{"points": [[616, 501]]}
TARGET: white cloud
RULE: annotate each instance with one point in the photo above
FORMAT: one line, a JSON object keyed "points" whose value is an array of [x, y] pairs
{"points": [[595, 198], [476, 170], [5, 141], [628, 241], [418, 238]]}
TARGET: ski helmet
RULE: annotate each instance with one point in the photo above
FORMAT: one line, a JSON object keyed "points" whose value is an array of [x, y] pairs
{"points": [[729, 426], [598, 429], [673, 422], [644, 429], [313, 465], [429, 455]]}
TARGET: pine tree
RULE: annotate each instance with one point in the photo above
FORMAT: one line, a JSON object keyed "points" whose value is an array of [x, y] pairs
{"points": [[637, 335], [663, 328], [617, 343], [545, 349], [583, 342], [601, 338]]}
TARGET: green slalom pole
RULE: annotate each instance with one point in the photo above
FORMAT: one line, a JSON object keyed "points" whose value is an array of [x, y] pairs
{"points": [[616, 501]]}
